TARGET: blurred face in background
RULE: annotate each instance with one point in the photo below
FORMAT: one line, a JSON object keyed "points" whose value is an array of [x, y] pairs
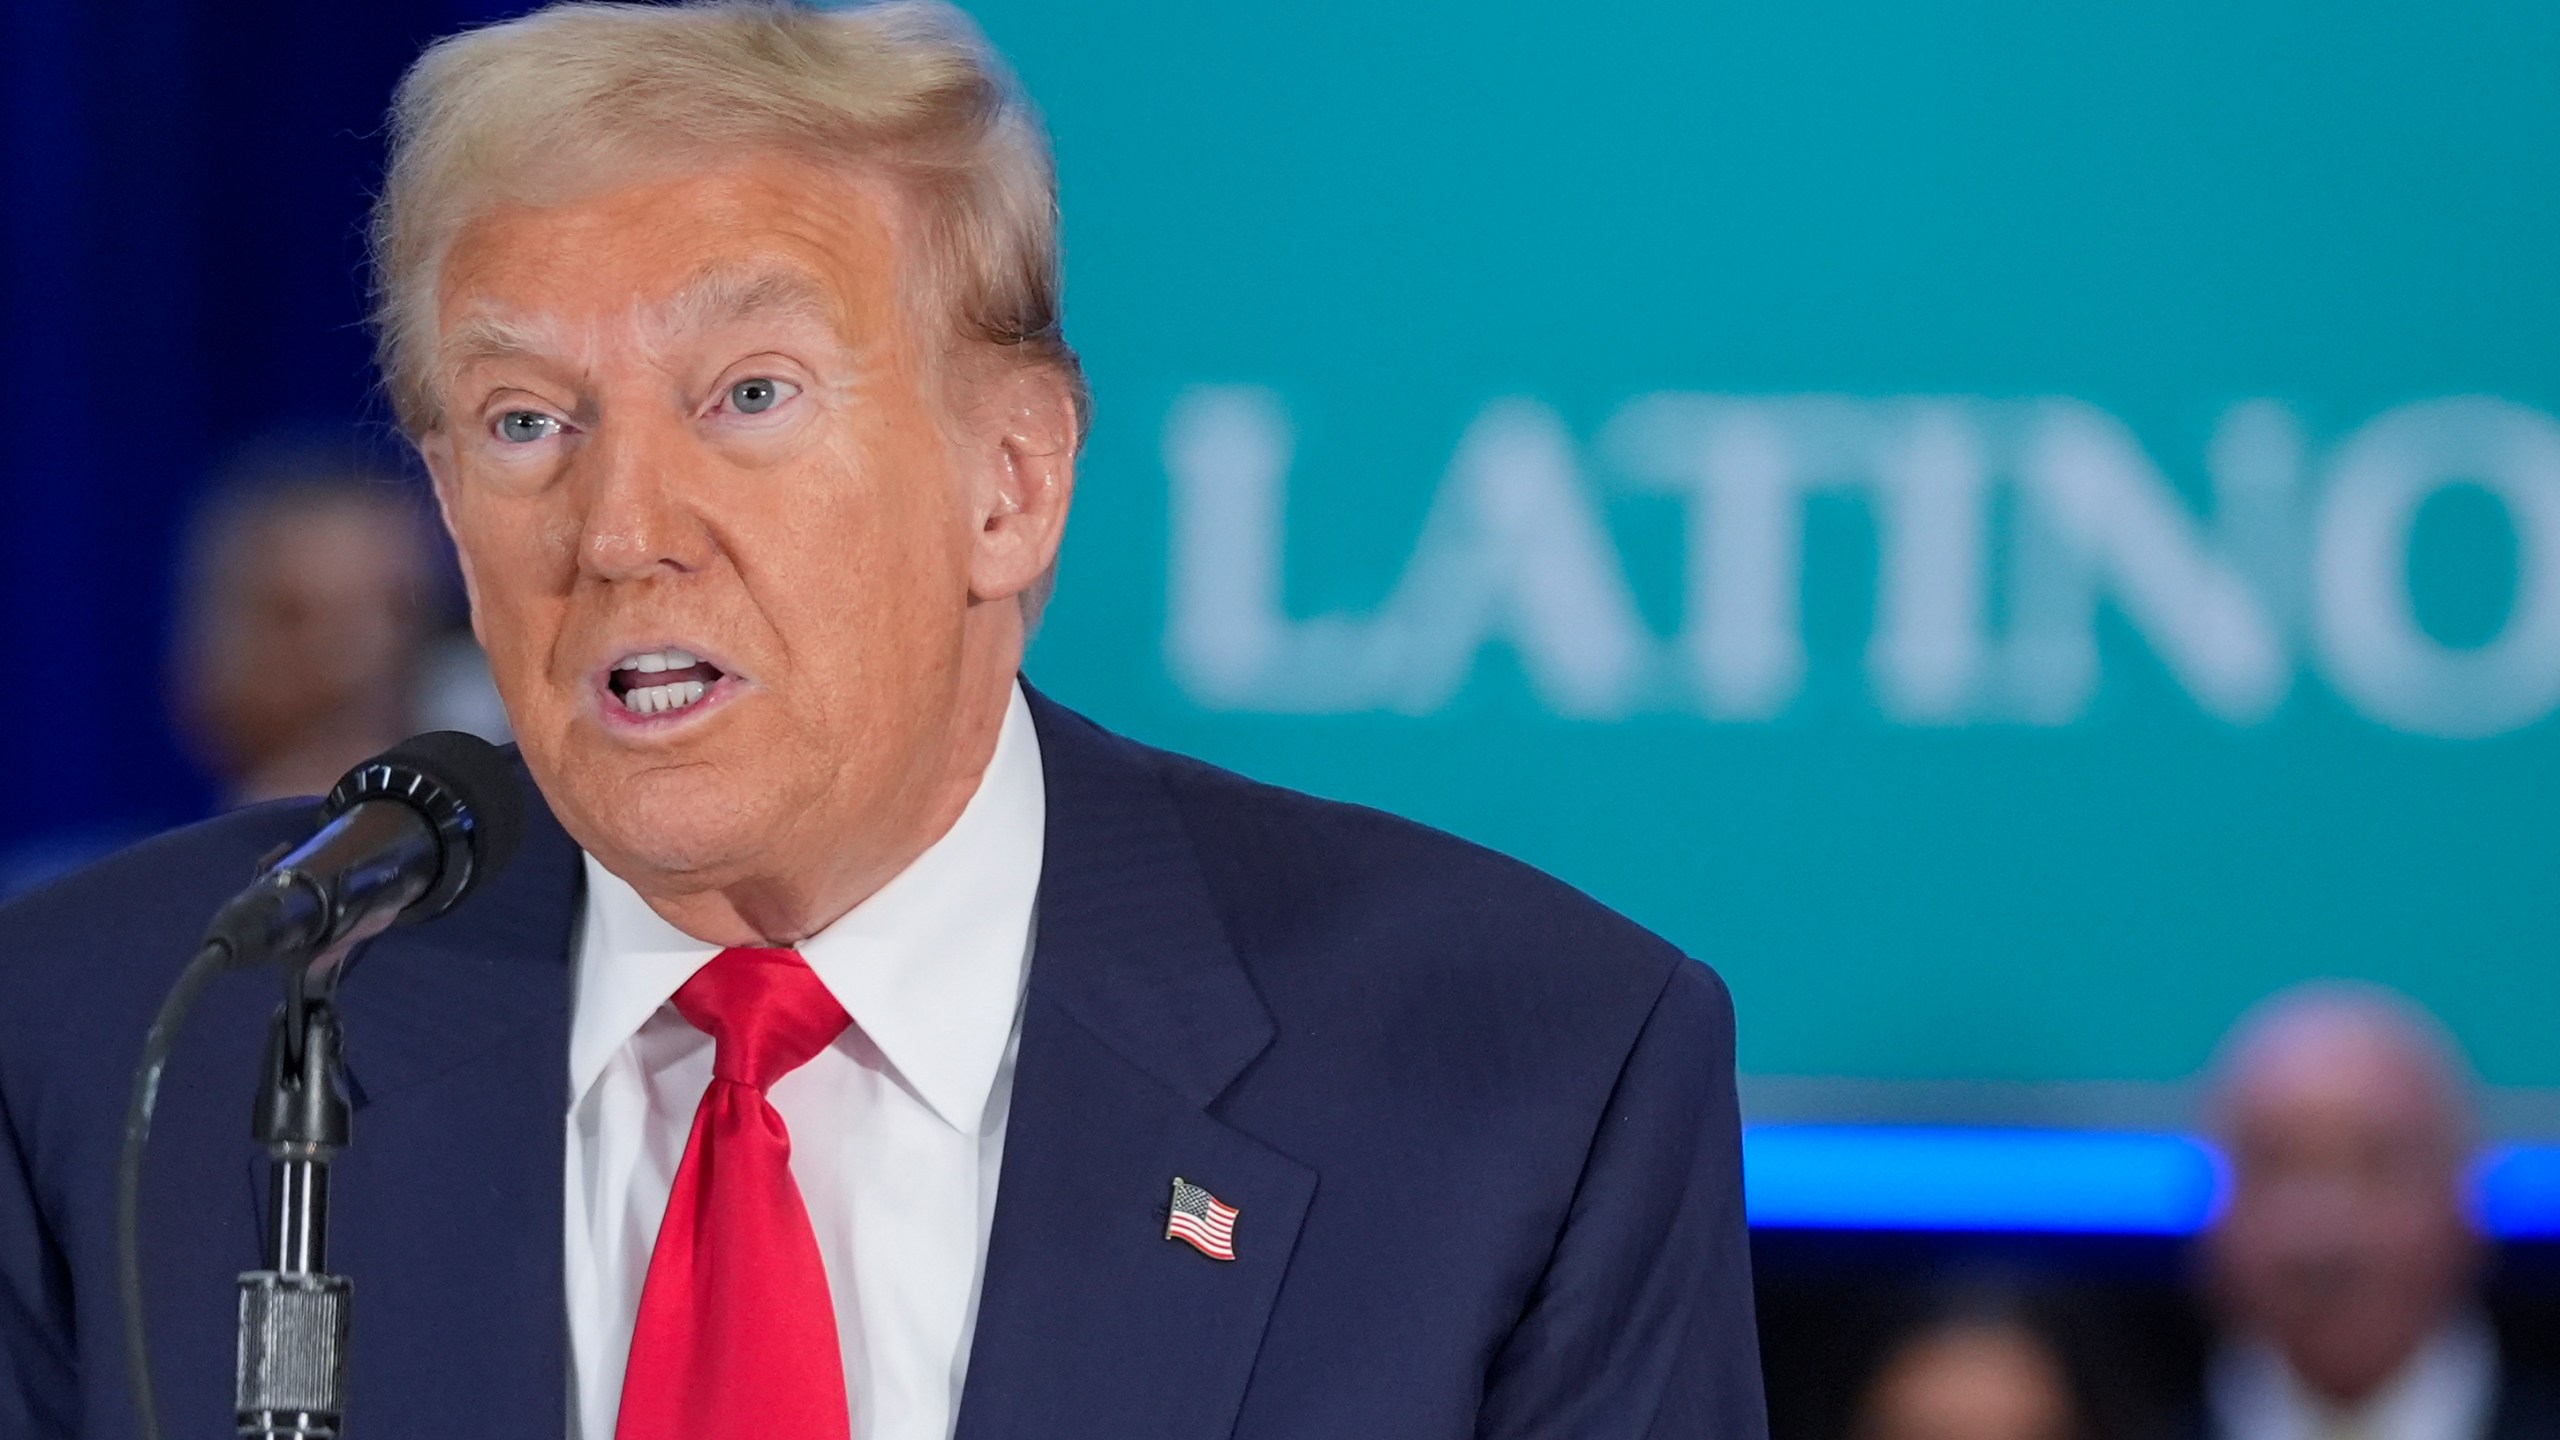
{"points": [[2345, 1243], [310, 621], [746, 564], [1970, 1381]]}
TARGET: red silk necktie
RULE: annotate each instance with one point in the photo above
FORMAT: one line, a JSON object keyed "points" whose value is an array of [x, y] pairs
{"points": [[737, 1332]]}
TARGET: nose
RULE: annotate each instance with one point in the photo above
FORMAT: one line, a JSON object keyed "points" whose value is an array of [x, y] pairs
{"points": [[639, 520]]}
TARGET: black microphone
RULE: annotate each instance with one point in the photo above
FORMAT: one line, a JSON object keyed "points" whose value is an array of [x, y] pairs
{"points": [[406, 835]]}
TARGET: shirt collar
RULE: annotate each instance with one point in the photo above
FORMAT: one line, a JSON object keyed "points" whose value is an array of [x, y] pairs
{"points": [[931, 967], [2446, 1391]]}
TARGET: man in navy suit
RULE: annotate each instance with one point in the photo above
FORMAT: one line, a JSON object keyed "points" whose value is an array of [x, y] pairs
{"points": [[861, 1044]]}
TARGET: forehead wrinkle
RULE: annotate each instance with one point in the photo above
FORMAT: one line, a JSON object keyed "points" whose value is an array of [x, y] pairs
{"points": [[724, 294]]}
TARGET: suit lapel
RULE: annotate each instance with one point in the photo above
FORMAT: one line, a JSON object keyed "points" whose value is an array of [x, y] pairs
{"points": [[447, 1204], [1091, 1322]]}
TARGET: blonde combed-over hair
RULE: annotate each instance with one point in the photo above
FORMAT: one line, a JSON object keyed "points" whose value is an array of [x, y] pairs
{"points": [[577, 94]]}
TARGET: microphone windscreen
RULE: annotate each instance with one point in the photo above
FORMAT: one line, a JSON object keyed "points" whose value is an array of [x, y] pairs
{"points": [[464, 788]]}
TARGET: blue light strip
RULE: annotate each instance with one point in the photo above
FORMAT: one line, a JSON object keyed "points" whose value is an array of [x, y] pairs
{"points": [[1857, 1177], [2519, 1192], [1876, 1177]]}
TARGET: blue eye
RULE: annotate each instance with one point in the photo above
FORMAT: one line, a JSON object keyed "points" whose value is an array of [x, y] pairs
{"points": [[755, 396], [523, 427]]}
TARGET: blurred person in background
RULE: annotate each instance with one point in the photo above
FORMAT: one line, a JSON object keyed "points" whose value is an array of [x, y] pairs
{"points": [[317, 624], [1988, 1363], [2344, 1269], [312, 626]]}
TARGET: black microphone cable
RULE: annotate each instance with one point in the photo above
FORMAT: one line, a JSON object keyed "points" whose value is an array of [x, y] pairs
{"points": [[212, 960]]}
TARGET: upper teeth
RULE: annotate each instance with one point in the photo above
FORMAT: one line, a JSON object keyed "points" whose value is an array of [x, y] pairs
{"points": [[657, 660]]}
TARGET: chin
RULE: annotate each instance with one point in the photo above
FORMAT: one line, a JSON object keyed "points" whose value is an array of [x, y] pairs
{"points": [[695, 821], [708, 855]]}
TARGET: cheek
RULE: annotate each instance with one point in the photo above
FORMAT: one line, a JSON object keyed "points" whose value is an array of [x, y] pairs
{"points": [[511, 545], [517, 560], [880, 543], [874, 590], [863, 591]]}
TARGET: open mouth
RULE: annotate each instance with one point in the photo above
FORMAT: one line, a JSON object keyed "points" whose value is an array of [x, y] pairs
{"points": [[661, 682]]}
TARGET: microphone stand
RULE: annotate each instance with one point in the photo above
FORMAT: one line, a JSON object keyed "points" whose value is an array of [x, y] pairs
{"points": [[292, 1379], [404, 835]]}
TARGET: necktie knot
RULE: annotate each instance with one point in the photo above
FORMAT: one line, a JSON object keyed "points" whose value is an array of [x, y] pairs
{"points": [[766, 1011]]}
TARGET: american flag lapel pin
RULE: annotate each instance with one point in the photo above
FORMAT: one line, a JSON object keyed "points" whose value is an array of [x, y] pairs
{"points": [[1201, 1220]]}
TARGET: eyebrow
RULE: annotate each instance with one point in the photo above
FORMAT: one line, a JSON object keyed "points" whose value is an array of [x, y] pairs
{"points": [[484, 336], [715, 296]]}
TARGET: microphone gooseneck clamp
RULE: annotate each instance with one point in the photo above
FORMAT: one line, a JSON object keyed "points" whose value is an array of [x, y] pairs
{"points": [[407, 835]]}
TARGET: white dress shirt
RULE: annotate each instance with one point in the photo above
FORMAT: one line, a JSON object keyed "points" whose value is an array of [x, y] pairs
{"points": [[897, 1130], [2447, 1391]]}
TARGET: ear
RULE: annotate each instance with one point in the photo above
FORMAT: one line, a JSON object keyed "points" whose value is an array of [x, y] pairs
{"points": [[436, 449], [1026, 482]]}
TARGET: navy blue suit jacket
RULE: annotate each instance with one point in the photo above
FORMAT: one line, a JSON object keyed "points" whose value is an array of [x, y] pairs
{"points": [[1480, 1129]]}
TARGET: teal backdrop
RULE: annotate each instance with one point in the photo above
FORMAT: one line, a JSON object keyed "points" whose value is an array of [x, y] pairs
{"points": [[2014, 531]]}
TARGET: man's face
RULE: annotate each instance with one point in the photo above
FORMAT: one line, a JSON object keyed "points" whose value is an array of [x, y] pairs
{"points": [[723, 533], [2345, 1241], [1986, 1381], [318, 616]]}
